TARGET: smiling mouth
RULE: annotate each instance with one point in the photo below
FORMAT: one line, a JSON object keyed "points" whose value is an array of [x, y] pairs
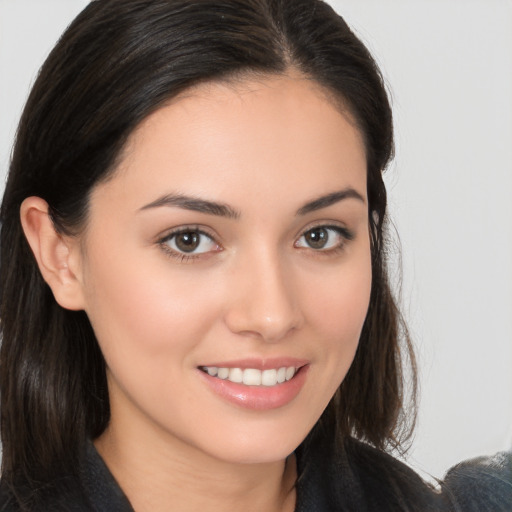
{"points": [[252, 376]]}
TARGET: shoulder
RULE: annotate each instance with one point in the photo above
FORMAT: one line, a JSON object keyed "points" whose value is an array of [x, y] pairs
{"points": [[91, 488], [483, 483], [63, 495], [388, 483], [359, 477]]}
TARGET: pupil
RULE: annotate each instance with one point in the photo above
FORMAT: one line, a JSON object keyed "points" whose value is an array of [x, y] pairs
{"points": [[187, 242], [317, 238]]}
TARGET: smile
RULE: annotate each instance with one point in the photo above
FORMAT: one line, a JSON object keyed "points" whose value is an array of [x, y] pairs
{"points": [[252, 376]]}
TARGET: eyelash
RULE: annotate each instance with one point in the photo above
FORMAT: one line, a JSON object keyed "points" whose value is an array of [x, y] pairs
{"points": [[182, 256], [345, 234]]}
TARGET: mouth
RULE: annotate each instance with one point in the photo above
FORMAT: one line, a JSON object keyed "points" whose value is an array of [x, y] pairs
{"points": [[256, 384], [269, 377]]}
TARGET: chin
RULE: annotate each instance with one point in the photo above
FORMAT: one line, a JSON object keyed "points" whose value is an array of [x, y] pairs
{"points": [[257, 447]]}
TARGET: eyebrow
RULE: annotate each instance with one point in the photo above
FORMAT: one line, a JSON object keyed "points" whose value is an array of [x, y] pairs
{"points": [[330, 199], [194, 204], [223, 210]]}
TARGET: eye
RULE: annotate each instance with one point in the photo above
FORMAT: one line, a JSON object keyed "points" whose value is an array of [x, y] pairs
{"points": [[324, 238], [189, 242]]}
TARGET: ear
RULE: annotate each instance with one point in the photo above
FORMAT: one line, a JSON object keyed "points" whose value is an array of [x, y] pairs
{"points": [[58, 256]]}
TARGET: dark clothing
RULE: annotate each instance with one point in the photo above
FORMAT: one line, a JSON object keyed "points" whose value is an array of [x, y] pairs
{"points": [[362, 480], [482, 484]]}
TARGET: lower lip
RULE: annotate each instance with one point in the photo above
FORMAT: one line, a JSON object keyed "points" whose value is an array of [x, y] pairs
{"points": [[258, 398]]}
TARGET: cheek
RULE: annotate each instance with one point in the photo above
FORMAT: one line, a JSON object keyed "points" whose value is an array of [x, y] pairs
{"points": [[147, 324], [337, 308], [146, 313], [339, 304]]}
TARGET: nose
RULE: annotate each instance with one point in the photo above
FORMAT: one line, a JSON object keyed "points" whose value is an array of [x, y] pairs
{"points": [[264, 302]]}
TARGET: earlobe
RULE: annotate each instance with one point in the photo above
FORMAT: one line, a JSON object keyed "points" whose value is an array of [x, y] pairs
{"points": [[57, 255]]}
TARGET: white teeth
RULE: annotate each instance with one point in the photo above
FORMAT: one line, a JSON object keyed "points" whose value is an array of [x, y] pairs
{"points": [[253, 376], [236, 375], [269, 377], [223, 373]]}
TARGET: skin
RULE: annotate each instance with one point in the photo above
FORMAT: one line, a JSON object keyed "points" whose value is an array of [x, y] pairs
{"points": [[265, 148]]}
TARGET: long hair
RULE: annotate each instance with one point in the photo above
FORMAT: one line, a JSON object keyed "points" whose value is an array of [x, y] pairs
{"points": [[118, 62]]}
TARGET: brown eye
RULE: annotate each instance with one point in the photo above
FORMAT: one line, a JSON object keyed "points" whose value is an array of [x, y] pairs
{"points": [[317, 238], [190, 242], [187, 242], [324, 238]]}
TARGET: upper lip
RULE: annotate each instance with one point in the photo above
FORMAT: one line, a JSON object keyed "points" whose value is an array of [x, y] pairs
{"points": [[259, 363]]}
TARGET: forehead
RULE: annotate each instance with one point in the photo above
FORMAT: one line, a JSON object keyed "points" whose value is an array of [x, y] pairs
{"points": [[263, 134]]}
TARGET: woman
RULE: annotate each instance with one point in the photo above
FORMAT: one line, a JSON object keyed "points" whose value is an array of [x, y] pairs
{"points": [[195, 308]]}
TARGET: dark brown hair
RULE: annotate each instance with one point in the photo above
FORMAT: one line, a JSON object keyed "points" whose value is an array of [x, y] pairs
{"points": [[118, 62]]}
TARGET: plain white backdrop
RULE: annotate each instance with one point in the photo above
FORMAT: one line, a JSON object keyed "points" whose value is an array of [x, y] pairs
{"points": [[448, 67]]}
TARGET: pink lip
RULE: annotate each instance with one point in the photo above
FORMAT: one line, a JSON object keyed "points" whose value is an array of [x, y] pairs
{"points": [[258, 398], [260, 364]]}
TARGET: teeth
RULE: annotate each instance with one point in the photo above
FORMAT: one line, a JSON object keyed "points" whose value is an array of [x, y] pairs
{"points": [[223, 373], [290, 372], [252, 376], [269, 377], [235, 375]]}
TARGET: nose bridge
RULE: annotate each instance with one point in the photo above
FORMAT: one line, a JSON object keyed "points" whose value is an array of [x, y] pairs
{"points": [[265, 304]]}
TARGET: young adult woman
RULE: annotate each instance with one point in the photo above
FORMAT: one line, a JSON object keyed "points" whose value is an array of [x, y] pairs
{"points": [[195, 307]]}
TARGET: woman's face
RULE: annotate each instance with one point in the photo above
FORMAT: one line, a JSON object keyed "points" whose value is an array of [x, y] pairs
{"points": [[231, 244]]}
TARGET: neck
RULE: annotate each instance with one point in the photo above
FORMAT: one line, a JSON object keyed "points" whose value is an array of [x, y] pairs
{"points": [[175, 475]]}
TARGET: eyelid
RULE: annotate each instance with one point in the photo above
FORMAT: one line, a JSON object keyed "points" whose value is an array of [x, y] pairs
{"points": [[342, 231], [169, 233], [328, 224], [184, 256]]}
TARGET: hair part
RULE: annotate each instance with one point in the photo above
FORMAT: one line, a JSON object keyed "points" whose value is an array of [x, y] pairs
{"points": [[117, 63]]}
